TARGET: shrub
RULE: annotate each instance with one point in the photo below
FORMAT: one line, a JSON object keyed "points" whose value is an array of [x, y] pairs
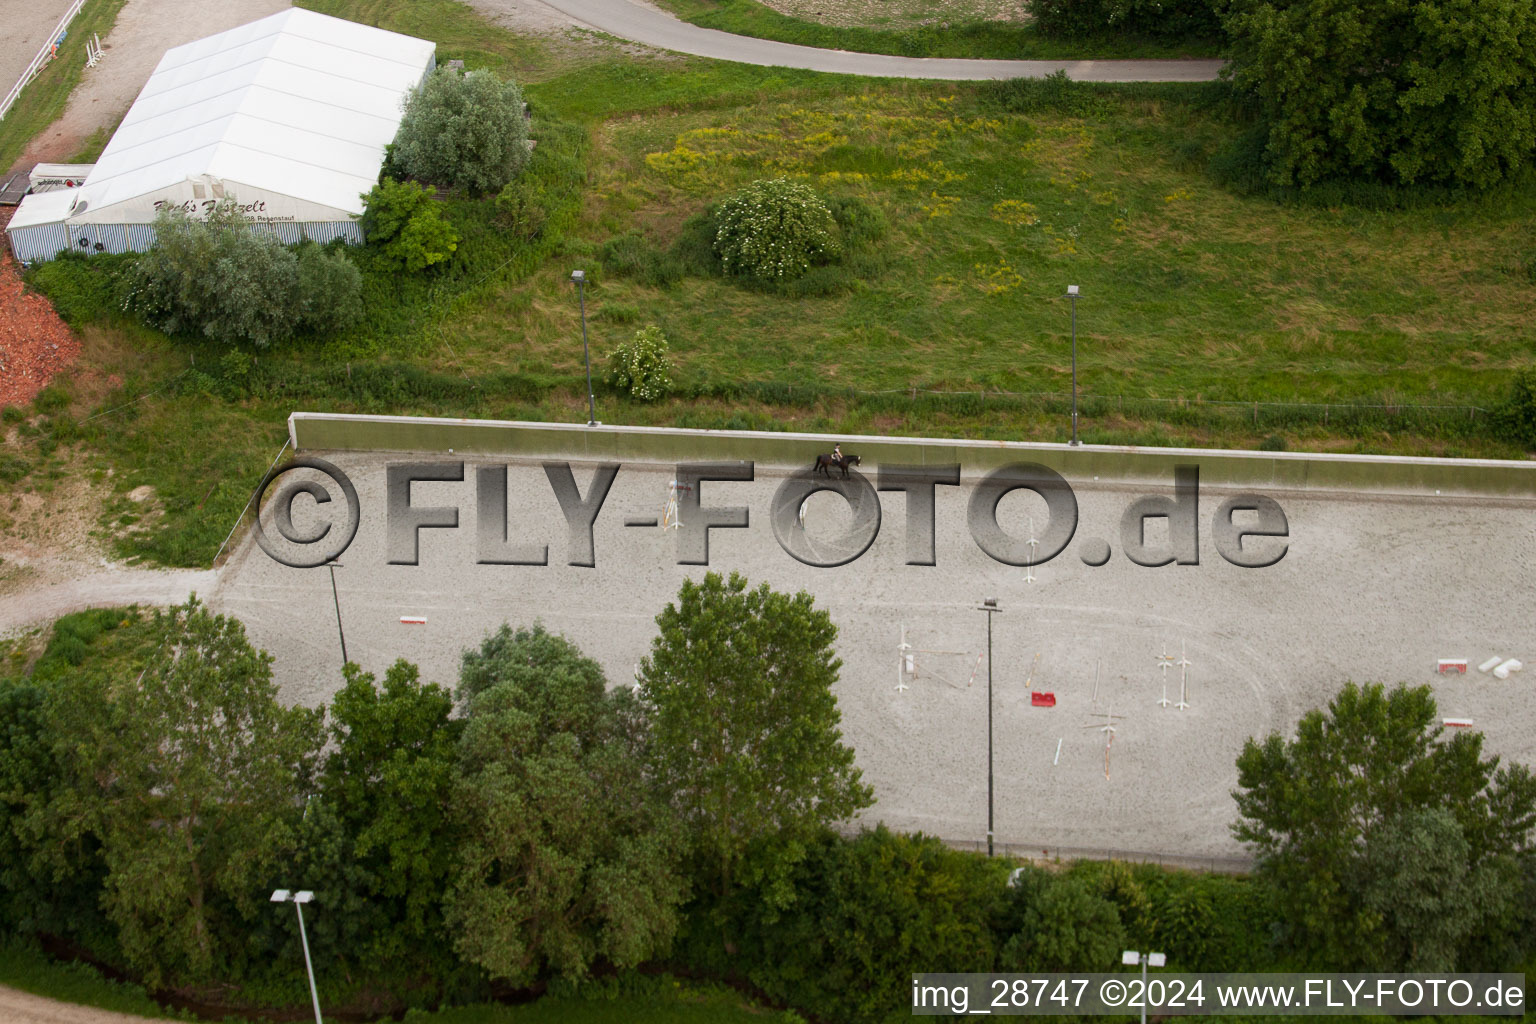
{"points": [[1151, 19], [406, 226], [82, 288], [518, 208], [1434, 91], [630, 255], [1515, 418], [224, 281], [1058, 923], [775, 230], [1056, 93], [854, 919], [639, 367], [464, 131]]}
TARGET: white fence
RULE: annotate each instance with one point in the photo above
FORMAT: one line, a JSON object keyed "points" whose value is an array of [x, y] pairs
{"points": [[41, 59]]}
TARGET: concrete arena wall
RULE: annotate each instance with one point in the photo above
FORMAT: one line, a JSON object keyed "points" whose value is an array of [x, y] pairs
{"points": [[1285, 471], [1381, 577]]}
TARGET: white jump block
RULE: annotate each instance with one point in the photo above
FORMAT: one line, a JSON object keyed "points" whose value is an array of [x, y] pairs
{"points": [[1487, 666], [1445, 665], [413, 620], [1458, 723], [1509, 666]]}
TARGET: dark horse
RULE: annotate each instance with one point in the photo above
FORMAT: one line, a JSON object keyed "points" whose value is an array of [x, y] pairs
{"points": [[824, 461]]}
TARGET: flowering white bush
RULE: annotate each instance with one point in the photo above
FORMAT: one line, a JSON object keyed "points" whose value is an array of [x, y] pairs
{"points": [[774, 229], [641, 366]]}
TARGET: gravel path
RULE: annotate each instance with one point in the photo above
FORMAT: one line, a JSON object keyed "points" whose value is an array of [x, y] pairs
{"points": [[103, 588], [17, 1007], [643, 24]]}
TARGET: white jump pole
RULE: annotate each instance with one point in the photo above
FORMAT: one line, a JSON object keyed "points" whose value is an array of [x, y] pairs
{"points": [[1184, 664]]}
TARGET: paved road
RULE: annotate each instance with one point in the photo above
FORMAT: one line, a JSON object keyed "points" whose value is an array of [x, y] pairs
{"points": [[641, 24]]}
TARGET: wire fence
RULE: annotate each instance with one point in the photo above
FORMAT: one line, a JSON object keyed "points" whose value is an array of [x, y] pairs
{"points": [[1188, 862], [1037, 852]]}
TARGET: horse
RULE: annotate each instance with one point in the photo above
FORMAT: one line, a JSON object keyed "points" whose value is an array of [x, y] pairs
{"points": [[823, 461]]}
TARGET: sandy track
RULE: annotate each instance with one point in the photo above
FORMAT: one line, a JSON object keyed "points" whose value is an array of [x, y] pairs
{"points": [[145, 29], [17, 1007], [1374, 587], [27, 24], [103, 588]]}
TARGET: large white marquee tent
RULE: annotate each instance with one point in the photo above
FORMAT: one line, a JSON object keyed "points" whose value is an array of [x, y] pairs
{"points": [[287, 116]]}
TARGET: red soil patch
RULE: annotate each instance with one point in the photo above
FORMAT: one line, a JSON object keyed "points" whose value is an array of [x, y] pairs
{"points": [[34, 343]]}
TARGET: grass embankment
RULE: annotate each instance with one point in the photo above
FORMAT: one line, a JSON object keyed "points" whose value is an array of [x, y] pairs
{"points": [[45, 97], [995, 197], [993, 40]]}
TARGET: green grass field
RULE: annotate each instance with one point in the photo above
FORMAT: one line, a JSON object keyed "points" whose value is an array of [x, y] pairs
{"points": [[995, 198], [995, 40]]}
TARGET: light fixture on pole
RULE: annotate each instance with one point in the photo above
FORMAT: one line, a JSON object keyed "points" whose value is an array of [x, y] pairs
{"points": [[1072, 294], [1131, 958], [990, 607], [580, 277], [298, 899], [333, 565]]}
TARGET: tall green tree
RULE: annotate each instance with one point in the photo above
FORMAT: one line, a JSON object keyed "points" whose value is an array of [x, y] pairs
{"points": [[407, 228], [1391, 90], [1370, 798], [190, 774], [737, 689], [463, 130], [568, 858], [381, 837]]}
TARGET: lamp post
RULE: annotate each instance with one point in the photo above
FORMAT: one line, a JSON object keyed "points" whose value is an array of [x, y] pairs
{"points": [[580, 277], [333, 565], [1072, 294], [990, 607], [1131, 958], [298, 899]]}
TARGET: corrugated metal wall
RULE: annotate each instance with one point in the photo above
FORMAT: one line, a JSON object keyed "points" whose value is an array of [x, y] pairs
{"points": [[38, 242], [45, 241]]}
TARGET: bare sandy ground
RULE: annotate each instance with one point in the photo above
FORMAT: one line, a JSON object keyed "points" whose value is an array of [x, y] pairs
{"points": [[27, 25], [145, 29], [17, 1007], [1372, 588]]}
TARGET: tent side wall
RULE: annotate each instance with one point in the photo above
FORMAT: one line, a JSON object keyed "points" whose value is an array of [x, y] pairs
{"points": [[38, 241]]}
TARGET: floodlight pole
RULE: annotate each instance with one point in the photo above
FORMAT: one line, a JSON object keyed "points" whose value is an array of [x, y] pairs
{"points": [[990, 607], [337, 601], [1130, 958], [580, 277], [299, 899], [1072, 294]]}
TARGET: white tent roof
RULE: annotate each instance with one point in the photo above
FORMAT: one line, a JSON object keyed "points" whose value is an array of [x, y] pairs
{"points": [[43, 208], [299, 103]]}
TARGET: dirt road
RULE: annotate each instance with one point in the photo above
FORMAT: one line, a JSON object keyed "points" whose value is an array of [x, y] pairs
{"points": [[17, 1007]]}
